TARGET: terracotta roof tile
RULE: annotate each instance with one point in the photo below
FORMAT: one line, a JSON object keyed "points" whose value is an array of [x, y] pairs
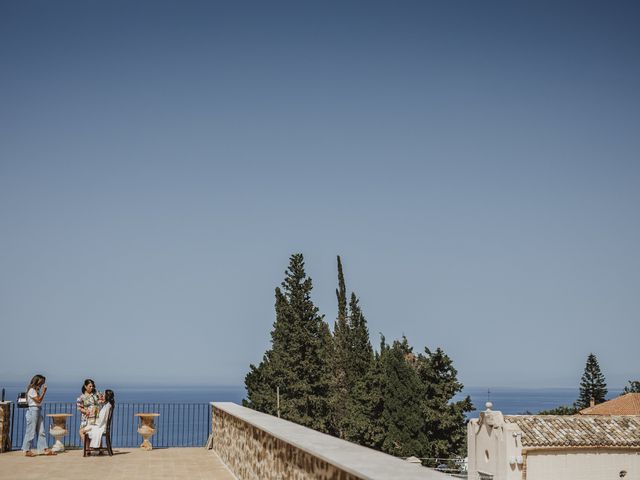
{"points": [[628, 404], [577, 430]]}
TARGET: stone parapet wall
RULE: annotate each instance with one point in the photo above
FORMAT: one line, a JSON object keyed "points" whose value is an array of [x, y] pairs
{"points": [[251, 453], [5, 426], [256, 446]]}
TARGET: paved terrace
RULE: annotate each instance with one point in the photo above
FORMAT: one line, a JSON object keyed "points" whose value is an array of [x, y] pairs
{"points": [[129, 464], [251, 444]]}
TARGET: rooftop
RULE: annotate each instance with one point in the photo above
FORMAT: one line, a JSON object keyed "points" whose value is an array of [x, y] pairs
{"points": [[577, 430], [628, 404], [126, 464]]}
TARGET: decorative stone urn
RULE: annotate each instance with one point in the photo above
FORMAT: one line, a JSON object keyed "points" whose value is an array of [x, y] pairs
{"points": [[146, 428], [58, 429]]}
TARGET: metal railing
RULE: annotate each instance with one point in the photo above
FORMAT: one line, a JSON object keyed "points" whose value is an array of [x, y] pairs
{"points": [[179, 424]]}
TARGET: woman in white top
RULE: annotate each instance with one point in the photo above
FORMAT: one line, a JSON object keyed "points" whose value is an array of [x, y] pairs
{"points": [[34, 418], [96, 430]]}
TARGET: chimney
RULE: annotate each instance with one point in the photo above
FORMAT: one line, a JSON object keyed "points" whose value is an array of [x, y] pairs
{"points": [[592, 402]]}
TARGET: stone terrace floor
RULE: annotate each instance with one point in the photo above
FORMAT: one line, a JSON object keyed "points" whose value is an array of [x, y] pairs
{"points": [[129, 464]]}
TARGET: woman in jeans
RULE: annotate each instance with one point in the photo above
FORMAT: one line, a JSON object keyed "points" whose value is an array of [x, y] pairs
{"points": [[34, 418]]}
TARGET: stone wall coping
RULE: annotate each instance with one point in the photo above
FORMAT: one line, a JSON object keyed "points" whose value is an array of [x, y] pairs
{"points": [[360, 461]]}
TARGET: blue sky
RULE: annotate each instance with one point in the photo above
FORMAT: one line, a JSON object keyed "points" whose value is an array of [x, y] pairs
{"points": [[475, 164]]}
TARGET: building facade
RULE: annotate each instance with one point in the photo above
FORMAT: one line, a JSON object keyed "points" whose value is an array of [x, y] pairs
{"points": [[553, 447]]}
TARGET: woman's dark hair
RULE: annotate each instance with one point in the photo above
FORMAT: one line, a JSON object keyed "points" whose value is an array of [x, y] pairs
{"points": [[109, 397], [37, 381], [88, 381]]}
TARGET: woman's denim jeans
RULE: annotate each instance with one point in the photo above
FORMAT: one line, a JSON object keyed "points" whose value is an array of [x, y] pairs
{"points": [[35, 428]]}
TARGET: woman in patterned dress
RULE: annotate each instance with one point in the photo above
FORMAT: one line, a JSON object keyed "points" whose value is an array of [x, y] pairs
{"points": [[89, 403]]}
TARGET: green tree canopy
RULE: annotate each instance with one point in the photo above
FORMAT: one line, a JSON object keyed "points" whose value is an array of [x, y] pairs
{"points": [[445, 421], [561, 410], [297, 362], [340, 385], [391, 400], [633, 387], [361, 353], [403, 393], [363, 423], [352, 358], [592, 384]]}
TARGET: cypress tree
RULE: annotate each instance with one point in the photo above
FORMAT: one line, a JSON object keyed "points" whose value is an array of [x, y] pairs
{"points": [[298, 359], [352, 358], [445, 421], [363, 402], [341, 295], [361, 353], [340, 385], [592, 384]]}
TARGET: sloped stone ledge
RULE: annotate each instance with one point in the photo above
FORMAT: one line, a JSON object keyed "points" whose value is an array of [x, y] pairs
{"points": [[5, 426], [256, 446]]}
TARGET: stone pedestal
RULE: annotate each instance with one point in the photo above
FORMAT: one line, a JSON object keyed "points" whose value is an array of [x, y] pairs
{"points": [[5, 426], [58, 429], [146, 428]]}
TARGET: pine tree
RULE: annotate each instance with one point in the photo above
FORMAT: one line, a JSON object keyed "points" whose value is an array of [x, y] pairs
{"points": [[592, 384], [298, 359], [445, 421], [633, 387], [403, 393]]}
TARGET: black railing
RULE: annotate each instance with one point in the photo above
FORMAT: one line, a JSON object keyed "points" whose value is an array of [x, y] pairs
{"points": [[179, 424]]}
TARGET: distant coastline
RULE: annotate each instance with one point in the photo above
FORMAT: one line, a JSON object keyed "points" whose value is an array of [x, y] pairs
{"points": [[518, 400]]}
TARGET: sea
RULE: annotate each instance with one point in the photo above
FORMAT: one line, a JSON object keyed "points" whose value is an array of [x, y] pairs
{"points": [[523, 400], [508, 400]]}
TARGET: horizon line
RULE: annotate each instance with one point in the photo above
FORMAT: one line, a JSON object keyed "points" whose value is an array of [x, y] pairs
{"points": [[130, 383]]}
